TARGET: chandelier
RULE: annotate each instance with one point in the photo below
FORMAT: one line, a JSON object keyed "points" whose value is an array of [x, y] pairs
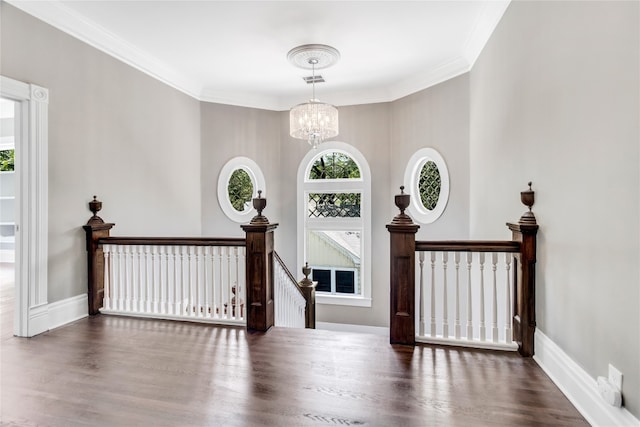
{"points": [[313, 121]]}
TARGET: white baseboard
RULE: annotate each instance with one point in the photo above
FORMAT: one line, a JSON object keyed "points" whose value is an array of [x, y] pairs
{"points": [[346, 327], [38, 320], [579, 387], [68, 310]]}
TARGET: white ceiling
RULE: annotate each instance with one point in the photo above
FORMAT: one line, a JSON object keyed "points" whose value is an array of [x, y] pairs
{"points": [[234, 52]]}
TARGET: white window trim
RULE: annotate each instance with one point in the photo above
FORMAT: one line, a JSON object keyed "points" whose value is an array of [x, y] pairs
{"points": [[412, 181], [257, 179], [361, 185]]}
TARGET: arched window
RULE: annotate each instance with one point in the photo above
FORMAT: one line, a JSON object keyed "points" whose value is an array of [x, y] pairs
{"points": [[334, 223]]}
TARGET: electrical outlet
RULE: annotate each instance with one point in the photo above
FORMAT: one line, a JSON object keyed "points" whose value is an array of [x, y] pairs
{"points": [[615, 377]]}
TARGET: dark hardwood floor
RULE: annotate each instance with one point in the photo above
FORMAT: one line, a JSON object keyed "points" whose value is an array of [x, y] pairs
{"points": [[111, 371]]}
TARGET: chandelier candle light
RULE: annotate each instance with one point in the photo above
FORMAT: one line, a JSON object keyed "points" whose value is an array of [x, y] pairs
{"points": [[313, 121]]}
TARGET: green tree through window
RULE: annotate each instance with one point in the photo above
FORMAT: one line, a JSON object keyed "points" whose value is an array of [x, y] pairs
{"points": [[7, 160], [240, 189], [334, 166]]}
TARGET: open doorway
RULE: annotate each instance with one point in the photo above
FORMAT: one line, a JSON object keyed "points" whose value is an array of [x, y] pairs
{"points": [[7, 215], [30, 206]]}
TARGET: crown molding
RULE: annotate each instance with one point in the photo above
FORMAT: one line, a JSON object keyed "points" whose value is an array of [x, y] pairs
{"points": [[443, 72], [486, 23], [56, 14]]}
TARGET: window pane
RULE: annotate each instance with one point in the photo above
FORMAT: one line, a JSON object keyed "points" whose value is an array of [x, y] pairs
{"points": [[323, 277], [345, 282], [334, 205], [334, 166], [240, 190], [429, 185]]}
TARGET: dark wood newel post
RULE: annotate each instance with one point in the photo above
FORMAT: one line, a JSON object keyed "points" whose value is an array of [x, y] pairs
{"points": [[524, 301], [259, 269], [95, 229], [308, 288], [403, 267]]}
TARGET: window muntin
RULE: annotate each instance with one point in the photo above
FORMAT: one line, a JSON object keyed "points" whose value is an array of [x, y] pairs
{"points": [[334, 205], [429, 185]]}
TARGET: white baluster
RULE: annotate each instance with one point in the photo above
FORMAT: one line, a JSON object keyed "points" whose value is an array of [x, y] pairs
{"points": [[215, 282], [494, 308], [191, 304], [121, 262], [198, 284], [507, 311], [421, 293], [229, 283], [155, 278], [137, 282], [236, 283], [445, 302], [469, 298], [433, 294], [147, 279], [242, 284], [106, 300], [456, 258], [184, 261], [128, 285], [167, 281], [207, 279], [177, 293], [483, 333], [162, 280]]}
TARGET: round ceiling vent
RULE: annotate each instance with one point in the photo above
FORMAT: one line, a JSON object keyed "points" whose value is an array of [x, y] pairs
{"points": [[313, 56]]}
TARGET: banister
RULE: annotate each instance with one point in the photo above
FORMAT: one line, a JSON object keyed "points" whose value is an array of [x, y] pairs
{"points": [[174, 241], [306, 288], [403, 248], [468, 245], [287, 271]]}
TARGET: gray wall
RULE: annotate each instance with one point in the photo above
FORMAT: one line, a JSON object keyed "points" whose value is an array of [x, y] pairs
{"points": [[228, 132], [437, 117], [555, 100], [114, 132]]}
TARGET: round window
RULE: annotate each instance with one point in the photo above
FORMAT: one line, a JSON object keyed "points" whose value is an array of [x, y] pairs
{"points": [[238, 183], [427, 179]]}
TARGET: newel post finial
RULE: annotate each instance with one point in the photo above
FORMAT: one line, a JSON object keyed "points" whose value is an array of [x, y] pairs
{"points": [[95, 206], [402, 201], [527, 198], [308, 288], [259, 203]]}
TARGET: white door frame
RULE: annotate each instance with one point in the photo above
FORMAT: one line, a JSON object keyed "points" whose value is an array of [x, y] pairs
{"points": [[31, 315]]}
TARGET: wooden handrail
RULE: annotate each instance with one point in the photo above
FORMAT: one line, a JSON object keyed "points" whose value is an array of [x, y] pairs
{"points": [[287, 272], [307, 291], [174, 241], [468, 245], [403, 246]]}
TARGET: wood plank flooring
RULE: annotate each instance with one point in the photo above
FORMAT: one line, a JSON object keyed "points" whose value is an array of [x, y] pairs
{"points": [[113, 371]]}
